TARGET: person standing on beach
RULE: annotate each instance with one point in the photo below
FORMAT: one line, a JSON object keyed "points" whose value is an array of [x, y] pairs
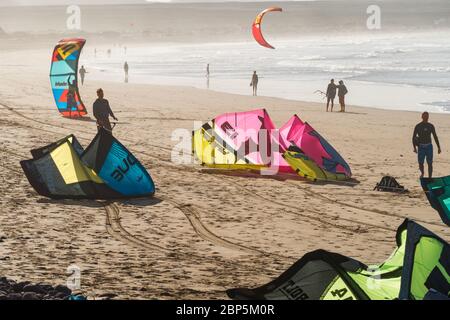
{"points": [[126, 68], [331, 94], [102, 111], [254, 83], [207, 75], [341, 94], [71, 94], [82, 74], [422, 144]]}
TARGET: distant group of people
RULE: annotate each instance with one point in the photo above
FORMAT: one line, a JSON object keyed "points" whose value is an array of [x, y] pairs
{"points": [[341, 90]]}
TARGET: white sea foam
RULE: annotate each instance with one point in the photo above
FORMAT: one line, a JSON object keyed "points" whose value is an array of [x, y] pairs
{"points": [[372, 64]]}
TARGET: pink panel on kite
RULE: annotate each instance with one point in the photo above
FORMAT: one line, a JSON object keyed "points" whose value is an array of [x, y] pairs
{"points": [[302, 135], [254, 135]]}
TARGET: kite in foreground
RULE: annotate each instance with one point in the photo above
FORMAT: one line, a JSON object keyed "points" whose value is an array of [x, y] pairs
{"points": [[249, 140], [438, 194], [256, 28], [418, 269], [105, 170], [64, 77]]}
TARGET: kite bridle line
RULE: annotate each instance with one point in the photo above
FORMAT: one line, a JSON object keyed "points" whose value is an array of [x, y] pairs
{"points": [[322, 93]]}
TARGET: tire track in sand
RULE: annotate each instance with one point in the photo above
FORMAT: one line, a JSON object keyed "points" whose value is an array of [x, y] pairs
{"points": [[116, 230], [202, 230]]}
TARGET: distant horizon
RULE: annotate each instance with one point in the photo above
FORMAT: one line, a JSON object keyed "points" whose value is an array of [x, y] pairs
{"points": [[28, 3]]}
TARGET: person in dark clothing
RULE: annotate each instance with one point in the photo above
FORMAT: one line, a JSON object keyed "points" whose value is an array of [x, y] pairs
{"points": [[331, 94], [126, 68], [254, 83], [341, 94], [207, 75], [71, 94], [82, 74], [102, 111], [422, 144]]}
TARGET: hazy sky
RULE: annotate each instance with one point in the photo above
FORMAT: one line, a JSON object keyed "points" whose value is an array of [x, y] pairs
{"points": [[66, 2]]}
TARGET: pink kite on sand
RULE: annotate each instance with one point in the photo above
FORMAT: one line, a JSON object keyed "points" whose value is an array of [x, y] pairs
{"points": [[253, 135], [298, 134], [250, 139]]}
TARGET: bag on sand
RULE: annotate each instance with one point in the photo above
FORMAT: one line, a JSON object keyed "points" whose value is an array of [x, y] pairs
{"points": [[389, 184]]}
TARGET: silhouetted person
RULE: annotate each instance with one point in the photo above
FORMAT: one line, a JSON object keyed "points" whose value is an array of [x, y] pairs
{"points": [[71, 94], [331, 94], [254, 83], [207, 75], [109, 53], [82, 74], [102, 111], [422, 144], [341, 94], [126, 68]]}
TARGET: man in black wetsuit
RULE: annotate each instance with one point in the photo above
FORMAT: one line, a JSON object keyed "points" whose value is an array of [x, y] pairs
{"points": [[71, 95], [422, 143], [102, 111], [331, 94]]}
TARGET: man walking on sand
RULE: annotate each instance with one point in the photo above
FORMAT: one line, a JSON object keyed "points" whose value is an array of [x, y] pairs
{"points": [[82, 74], [254, 83], [341, 94], [102, 111], [331, 94], [422, 144]]}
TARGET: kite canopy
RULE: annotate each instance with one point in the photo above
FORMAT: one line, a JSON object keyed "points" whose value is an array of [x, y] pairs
{"points": [[64, 77], [420, 266], [106, 170], [257, 30], [309, 144], [249, 140], [240, 140], [438, 194]]}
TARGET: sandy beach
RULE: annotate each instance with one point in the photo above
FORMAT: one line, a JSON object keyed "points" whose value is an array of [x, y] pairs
{"points": [[204, 231]]}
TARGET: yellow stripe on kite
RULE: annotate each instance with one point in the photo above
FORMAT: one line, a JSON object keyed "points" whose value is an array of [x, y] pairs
{"points": [[70, 166]]}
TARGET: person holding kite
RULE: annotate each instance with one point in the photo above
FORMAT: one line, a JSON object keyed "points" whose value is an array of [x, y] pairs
{"points": [[102, 111], [331, 94], [71, 94]]}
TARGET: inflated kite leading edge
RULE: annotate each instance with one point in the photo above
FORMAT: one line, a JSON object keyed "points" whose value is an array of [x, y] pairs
{"points": [[256, 28]]}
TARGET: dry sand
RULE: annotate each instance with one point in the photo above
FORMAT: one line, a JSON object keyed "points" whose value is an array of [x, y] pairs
{"points": [[204, 232]]}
